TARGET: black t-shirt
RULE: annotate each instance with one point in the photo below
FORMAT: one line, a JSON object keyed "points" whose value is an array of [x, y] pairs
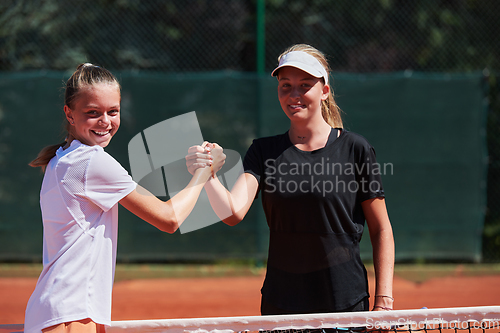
{"points": [[312, 202]]}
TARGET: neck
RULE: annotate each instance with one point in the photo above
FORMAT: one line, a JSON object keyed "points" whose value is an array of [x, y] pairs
{"points": [[309, 132], [68, 140]]}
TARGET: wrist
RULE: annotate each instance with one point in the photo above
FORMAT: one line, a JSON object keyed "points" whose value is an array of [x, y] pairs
{"points": [[383, 302], [202, 174], [385, 297], [378, 307], [211, 180]]}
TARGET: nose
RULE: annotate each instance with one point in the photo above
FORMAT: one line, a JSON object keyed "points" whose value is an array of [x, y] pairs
{"points": [[104, 120], [295, 93]]}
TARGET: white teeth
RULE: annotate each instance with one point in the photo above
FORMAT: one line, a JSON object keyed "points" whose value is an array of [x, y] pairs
{"points": [[101, 133]]}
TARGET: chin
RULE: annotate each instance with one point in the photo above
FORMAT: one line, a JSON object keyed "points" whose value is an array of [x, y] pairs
{"points": [[104, 144]]}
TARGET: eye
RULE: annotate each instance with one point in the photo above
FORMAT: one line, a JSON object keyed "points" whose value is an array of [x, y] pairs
{"points": [[92, 113], [113, 112]]}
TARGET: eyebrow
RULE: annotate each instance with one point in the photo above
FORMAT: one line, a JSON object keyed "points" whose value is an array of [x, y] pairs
{"points": [[304, 79], [95, 106]]}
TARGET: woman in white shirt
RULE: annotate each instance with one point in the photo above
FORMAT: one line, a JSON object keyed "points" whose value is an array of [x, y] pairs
{"points": [[81, 189]]}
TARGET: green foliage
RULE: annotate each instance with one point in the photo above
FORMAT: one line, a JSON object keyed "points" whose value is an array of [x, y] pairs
{"points": [[119, 34], [199, 35], [368, 36]]}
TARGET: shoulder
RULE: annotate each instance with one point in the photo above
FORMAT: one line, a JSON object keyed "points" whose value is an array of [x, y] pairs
{"points": [[102, 163], [73, 161], [280, 139], [355, 140], [101, 156], [91, 161], [354, 137], [269, 146], [263, 149], [94, 157]]}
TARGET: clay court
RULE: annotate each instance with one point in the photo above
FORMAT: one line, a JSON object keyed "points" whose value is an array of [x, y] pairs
{"points": [[143, 292]]}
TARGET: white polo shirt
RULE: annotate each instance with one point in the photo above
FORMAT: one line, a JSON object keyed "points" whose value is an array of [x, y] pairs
{"points": [[79, 201]]}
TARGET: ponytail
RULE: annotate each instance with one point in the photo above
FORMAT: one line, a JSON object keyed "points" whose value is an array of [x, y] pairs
{"points": [[45, 155], [331, 112]]}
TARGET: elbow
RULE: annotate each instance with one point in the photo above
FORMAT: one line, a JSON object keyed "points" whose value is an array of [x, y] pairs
{"points": [[172, 227], [169, 221], [169, 226], [171, 230], [233, 220]]}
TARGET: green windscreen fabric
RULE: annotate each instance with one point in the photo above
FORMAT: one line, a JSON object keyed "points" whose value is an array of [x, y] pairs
{"points": [[428, 131]]}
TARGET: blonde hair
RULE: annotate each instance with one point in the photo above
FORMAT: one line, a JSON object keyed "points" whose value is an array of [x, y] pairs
{"points": [[329, 108], [85, 75]]}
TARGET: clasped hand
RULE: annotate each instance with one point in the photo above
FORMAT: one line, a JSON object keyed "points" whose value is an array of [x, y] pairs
{"points": [[207, 155]]}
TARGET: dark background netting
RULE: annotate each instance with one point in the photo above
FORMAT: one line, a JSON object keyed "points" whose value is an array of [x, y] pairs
{"points": [[207, 35], [418, 79], [432, 155]]}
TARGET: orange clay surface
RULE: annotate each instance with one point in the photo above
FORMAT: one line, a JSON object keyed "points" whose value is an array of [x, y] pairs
{"points": [[174, 297]]}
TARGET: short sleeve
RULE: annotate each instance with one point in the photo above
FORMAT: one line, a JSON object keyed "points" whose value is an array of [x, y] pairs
{"points": [[368, 174], [252, 163], [107, 182]]}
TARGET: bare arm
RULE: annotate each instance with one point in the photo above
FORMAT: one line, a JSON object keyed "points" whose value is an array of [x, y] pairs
{"points": [[382, 241], [168, 216], [230, 206]]}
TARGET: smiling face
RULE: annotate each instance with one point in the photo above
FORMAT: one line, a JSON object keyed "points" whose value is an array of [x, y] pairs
{"points": [[95, 114], [300, 94]]}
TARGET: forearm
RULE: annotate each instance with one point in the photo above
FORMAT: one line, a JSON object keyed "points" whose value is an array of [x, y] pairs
{"points": [[222, 202], [166, 215], [230, 205], [383, 261], [183, 202], [382, 241]]}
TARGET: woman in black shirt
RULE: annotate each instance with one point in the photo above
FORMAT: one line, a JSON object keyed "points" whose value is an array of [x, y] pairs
{"points": [[318, 183]]}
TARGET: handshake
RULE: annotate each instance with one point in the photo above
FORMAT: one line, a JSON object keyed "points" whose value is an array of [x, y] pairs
{"points": [[207, 155], [161, 168]]}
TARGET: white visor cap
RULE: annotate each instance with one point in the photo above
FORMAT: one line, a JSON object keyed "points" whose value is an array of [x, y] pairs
{"points": [[303, 61]]}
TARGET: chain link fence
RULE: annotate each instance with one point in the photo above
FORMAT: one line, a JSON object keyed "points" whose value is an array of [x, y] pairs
{"points": [[218, 35], [207, 35]]}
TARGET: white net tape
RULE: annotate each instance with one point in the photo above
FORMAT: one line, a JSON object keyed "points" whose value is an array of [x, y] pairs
{"points": [[465, 318], [411, 319]]}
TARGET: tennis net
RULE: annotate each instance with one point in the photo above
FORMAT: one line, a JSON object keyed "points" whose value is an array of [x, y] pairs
{"points": [[444, 320], [484, 319]]}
